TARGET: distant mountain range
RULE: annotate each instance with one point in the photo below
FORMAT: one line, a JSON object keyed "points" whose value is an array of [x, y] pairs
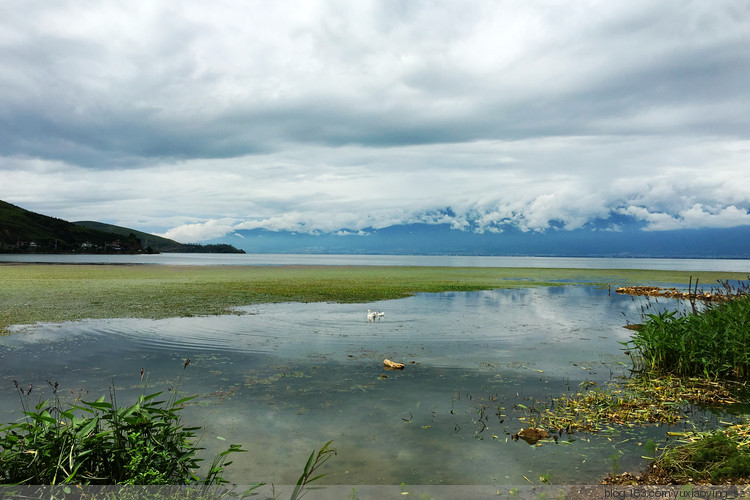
{"points": [[22, 231], [629, 240]]}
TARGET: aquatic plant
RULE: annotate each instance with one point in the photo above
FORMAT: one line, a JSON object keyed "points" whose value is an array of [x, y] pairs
{"points": [[315, 461], [97, 442], [713, 343], [615, 460], [638, 400], [720, 456], [696, 354], [715, 457], [596, 409]]}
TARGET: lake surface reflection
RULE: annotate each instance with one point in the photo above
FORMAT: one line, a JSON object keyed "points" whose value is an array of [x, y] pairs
{"points": [[283, 379]]}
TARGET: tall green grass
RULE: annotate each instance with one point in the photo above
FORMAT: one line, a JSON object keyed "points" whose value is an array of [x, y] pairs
{"points": [[99, 443], [713, 343]]}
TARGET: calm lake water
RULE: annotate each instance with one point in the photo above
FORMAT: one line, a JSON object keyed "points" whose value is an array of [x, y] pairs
{"points": [[282, 379], [192, 259]]}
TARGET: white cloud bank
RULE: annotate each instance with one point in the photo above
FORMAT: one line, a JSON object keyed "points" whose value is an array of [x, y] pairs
{"points": [[696, 216], [194, 120]]}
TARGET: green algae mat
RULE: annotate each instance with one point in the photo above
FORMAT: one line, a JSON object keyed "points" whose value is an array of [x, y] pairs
{"points": [[31, 293]]}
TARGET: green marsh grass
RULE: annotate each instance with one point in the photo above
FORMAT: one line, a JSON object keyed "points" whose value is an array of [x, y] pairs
{"points": [[713, 343], [310, 472], [31, 293], [717, 457], [99, 443]]}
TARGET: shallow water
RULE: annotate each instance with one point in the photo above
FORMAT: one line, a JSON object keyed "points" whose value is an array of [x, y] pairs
{"points": [[282, 379]]}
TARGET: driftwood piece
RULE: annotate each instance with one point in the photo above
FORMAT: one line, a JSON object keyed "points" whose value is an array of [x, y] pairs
{"points": [[392, 365]]}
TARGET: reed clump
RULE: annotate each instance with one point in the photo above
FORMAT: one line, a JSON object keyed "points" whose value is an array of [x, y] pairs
{"points": [[701, 357], [713, 343], [101, 443]]}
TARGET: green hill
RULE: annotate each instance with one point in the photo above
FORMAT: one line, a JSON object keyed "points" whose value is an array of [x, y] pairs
{"points": [[157, 243], [22, 231]]}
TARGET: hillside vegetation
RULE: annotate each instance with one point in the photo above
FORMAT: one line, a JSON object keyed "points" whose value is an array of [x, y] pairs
{"points": [[22, 231]]}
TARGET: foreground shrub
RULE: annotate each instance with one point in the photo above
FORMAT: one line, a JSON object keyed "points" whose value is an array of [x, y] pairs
{"points": [[97, 443]]}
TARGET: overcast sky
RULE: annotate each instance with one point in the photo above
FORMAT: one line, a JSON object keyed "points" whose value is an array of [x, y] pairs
{"points": [[193, 118]]}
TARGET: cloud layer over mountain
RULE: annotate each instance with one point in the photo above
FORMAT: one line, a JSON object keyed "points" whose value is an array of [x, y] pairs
{"points": [[197, 119]]}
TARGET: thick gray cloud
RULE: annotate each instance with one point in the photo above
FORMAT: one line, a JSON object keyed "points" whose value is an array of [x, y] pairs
{"points": [[193, 119]]}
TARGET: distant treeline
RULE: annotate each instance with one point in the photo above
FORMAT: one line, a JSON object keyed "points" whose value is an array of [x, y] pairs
{"points": [[198, 248]]}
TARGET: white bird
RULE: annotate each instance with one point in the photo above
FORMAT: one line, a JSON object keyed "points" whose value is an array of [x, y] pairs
{"points": [[371, 315], [381, 314]]}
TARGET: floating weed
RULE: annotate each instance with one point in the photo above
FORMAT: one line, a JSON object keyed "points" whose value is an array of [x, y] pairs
{"points": [[250, 381], [639, 400], [670, 389]]}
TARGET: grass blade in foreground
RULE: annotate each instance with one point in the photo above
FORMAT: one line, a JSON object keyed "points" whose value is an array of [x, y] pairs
{"points": [[312, 465]]}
